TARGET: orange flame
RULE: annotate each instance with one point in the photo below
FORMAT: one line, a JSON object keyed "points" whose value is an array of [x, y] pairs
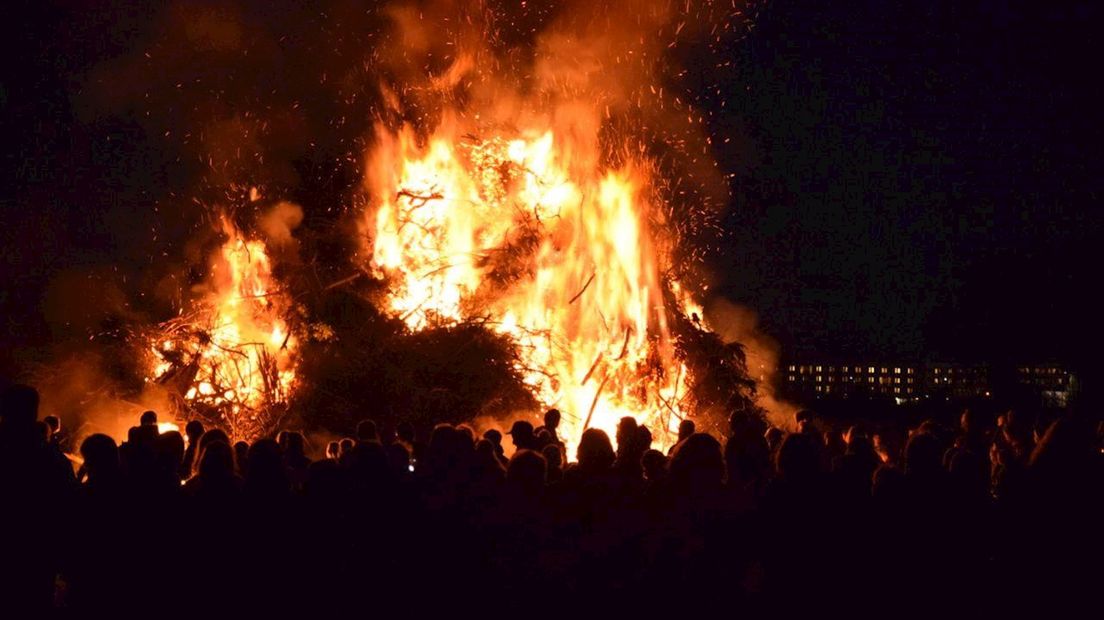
{"points": [[235, 352], [527, 230]]}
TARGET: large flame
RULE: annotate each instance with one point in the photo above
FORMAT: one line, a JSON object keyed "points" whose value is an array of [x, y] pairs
{"points": [[528, 232], [233, 358]]}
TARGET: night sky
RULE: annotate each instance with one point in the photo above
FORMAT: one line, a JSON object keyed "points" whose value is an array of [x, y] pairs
{"points": [[914, 179]]}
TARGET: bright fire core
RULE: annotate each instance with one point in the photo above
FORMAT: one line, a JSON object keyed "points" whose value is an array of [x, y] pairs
{"points": [[532, 235], [233, 357]]}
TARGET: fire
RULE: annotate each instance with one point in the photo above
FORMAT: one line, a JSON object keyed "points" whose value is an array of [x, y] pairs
{"points": [[233, 359], [529, 233], [166, 427]]}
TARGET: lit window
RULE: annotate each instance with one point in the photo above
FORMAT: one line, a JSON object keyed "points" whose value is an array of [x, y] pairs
{"points": [[793, 368], [870, 379], [910, 371], [884, 370], [937, 371], [818, 378], [819, 368], [897, 380], [896, 371], [896, 390], [870, 370]]}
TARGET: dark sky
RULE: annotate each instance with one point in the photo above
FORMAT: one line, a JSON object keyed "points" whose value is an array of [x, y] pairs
{"points": [[925, 177], [908, 178]]}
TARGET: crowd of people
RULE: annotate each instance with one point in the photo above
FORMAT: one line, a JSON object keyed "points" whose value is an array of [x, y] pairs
{"points": [[993, 514]]}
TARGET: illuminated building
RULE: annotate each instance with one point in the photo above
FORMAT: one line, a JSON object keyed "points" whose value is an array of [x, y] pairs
{"points": [[907, 381]]}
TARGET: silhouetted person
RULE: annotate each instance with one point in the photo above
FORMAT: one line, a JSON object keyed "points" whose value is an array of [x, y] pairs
{"points": [[367, 431], [630, 449], [101, 463], [800, 559], [697, 516], [216, 481], [526, 474], [36, 491], [144, 435], [495, 437], [407, 436], [773, 436], [542, 438], [295, 458], [270, 511], [551, 425], [95, 573], [241, 457], [747, 455], [655, 465], [366, 467], [488, 470], [553, 456], [522, 436], [854, 470], [266, 480], [169, 450], [685, 429], [193, 431], [697, 468], [210, 437], [398, 459], [58, 437], [346, 445], [595, 453]]}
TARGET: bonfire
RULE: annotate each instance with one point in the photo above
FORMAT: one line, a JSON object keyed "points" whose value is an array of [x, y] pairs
{"points": [[231, 359], [563, 257]]}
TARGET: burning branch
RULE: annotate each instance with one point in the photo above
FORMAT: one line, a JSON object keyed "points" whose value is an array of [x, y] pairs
{"points": [[232, 360], [580, 293]]}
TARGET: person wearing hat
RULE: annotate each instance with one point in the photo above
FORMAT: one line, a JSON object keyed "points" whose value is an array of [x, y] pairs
{"points": [[521, 433]]}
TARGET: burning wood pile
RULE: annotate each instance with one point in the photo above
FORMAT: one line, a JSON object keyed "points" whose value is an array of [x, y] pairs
{"points": [[531, 235], [231, 361], [530, 205]]}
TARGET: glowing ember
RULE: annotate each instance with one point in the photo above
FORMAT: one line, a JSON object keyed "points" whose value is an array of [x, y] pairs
{"points": [[528, 232], [233, 359]]}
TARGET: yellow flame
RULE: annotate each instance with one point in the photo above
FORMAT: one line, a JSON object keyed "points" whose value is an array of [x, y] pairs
{"points": [[529, 230], [240, 342]]}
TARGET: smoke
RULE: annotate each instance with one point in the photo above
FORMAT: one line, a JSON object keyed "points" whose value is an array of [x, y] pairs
{"points": [[277, 223], [84, 392], [738, 323]]}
